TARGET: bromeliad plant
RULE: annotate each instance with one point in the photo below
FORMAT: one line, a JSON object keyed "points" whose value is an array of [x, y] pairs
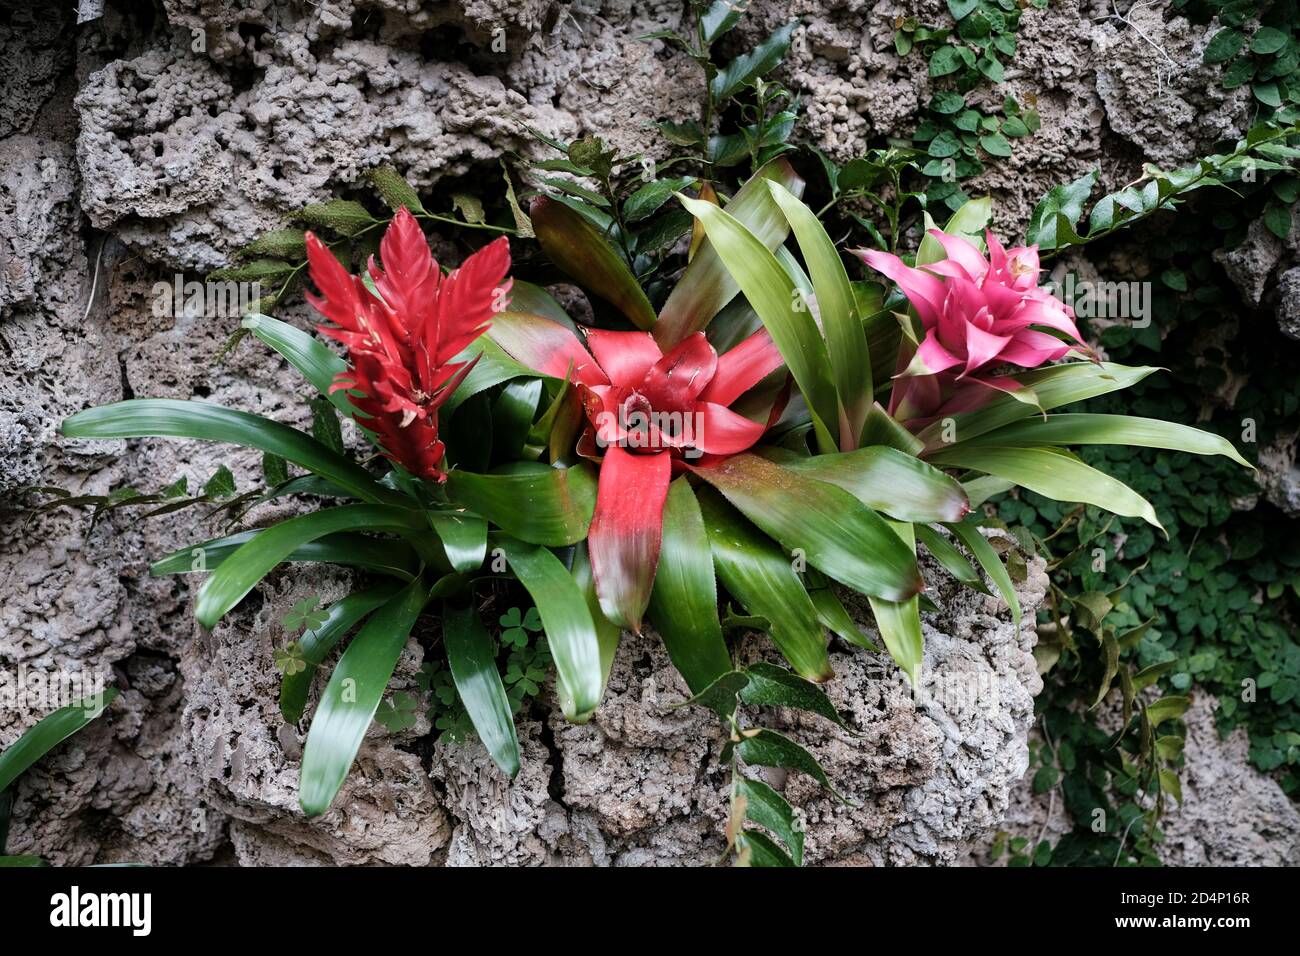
{"points": [[419, 527], [763, 431]]}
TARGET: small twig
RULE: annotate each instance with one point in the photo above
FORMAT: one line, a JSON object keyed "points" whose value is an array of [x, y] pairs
{"points": [[94, 281]]}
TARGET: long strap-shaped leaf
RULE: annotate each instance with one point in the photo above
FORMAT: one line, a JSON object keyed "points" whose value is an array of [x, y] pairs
{"points": [[566, 618], [311, 357], [472, 657], [837, 534], [354, 550], [978, 545], [760, 576], [315, 644], [1053, 386], [463, 536], [49, 732], [493, 366], [172, 418], [946, 553], [573, 244], [352, 696], [535, 503], [780, 305], [885, 479], [238, 574], [1054, 473], [846, 343], [706, 285], [607, 635], [900, 621], [1087, 429], [684, 603]]}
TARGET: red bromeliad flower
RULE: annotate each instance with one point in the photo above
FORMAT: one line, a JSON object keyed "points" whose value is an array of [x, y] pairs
{"points": [[649, 413], [400, 347]]}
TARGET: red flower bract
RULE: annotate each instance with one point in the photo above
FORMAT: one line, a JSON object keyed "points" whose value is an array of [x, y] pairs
{"points": [[401, 343], [649, 414]]}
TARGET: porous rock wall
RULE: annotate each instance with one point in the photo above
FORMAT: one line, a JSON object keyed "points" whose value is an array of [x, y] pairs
{"points": [[139, 139]]}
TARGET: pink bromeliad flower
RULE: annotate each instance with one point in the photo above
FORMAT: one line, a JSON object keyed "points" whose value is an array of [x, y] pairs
{"points": [[978, 315], [402, 342]]}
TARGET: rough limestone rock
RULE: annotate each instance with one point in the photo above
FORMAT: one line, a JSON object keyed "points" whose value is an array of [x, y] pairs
{"points": [[640, 784], [143, 143], [1227, 818]]}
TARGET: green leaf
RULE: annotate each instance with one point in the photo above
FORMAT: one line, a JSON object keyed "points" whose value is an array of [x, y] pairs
{"points": [[706, 285], [274, 469], [344, 216], [721, 696], [780, 306], [494, 364], [267, 271], [721, 17], [220, 485], [899, 622], [395, 191], [312, 358], [945, 60], [1089, 429], [1067, 201], [769, 809], [773, 686], [953, 561], [472, 657], [884, 479], [1224, 45], [831, 612], [755, 848], [767, 748], [172, 418], [758, 61], [969, 222], [531, 501], [535, 300], [240, 572], [835, 532], [995, 144], [969, 535], [846, 344], [325, 425], [1053, 386], [574, 245], [463, 537], [1054, 473], [759, 575], [350, 699], [49, 732], [1167, 708], [684, 603], [354, 550], [278, 243], [566, 616], [1278, 220], [647, 199], [1267, 40], [315, 645], [607, 634]]}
